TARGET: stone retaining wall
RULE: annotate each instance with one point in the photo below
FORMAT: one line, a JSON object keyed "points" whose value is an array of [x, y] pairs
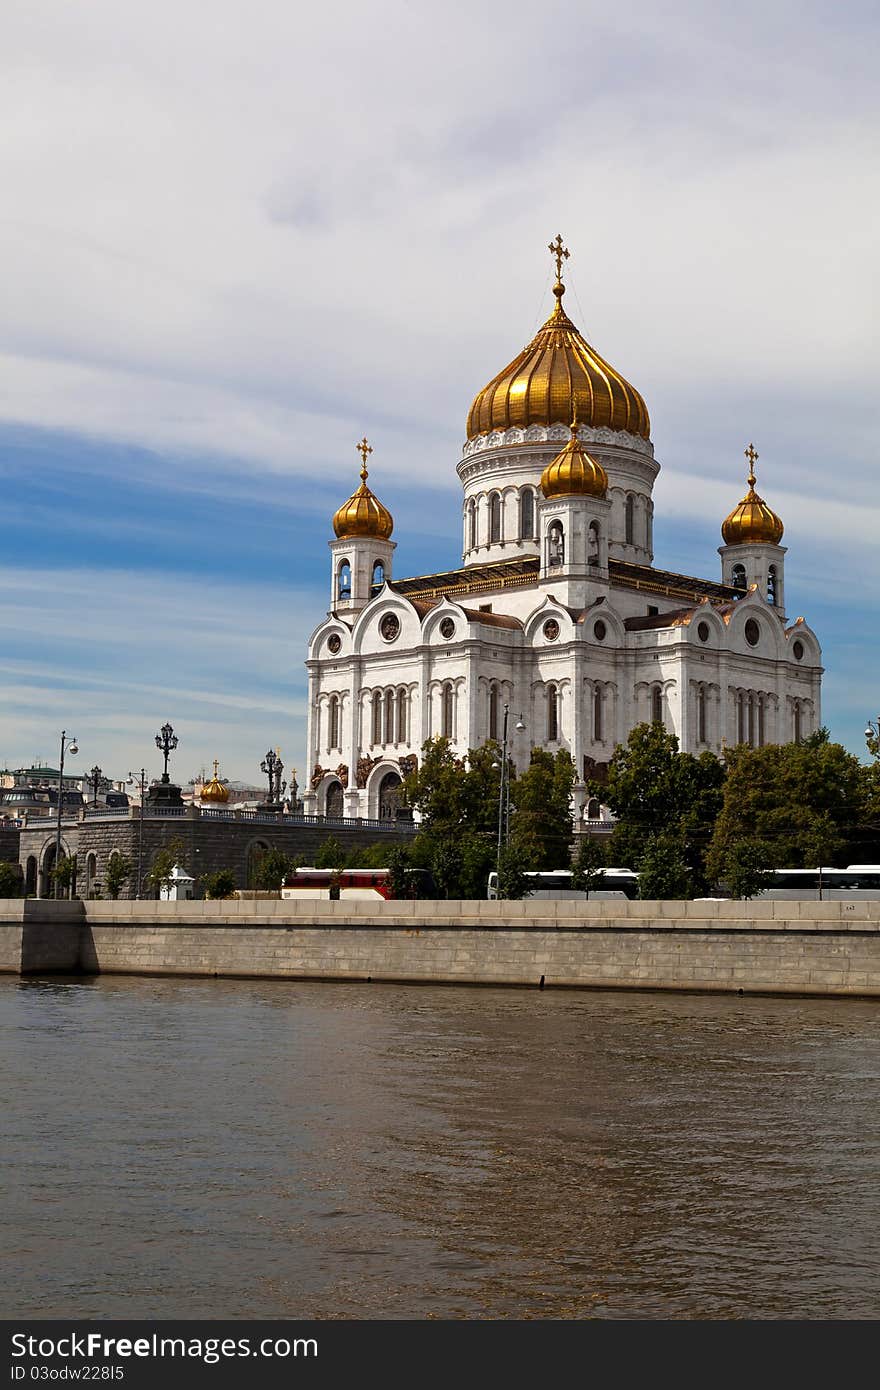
{"points": [[764, 947]]}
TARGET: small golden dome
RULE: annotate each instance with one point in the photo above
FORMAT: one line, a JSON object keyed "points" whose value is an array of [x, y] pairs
{"points": [[574, 471], [752, 522], [555, 375], [363, 513], [214, 791]]}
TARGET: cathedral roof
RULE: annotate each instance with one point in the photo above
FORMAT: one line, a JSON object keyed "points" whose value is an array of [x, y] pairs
{"points": [[752, 522], [215, 791], [363, 514], [556, 374]]}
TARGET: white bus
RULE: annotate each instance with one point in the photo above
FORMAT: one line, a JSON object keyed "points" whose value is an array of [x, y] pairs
{"points": [[556, 883], [856, 882]]}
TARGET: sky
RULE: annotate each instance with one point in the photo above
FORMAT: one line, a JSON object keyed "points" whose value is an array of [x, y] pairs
{"points": [[235, 238]]}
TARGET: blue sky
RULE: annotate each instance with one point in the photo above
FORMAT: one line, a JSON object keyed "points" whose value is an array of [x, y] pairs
{"points": [[235, 240]]}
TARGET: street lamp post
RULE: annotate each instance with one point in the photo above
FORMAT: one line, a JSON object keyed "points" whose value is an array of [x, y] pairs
{"points": [[166, 742], [143, 783], [872, 736], [70, 745], [95, 778], [273, 767], [504, 796]]}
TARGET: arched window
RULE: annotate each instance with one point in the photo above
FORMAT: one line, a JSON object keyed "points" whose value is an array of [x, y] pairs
{"points": [[493, 712], [447, 724], [91, 873], [377, 717], [771, 584], [495, 517], [472, 524], [555, 544], [343, 581], [527, 514], [593, 544], [598, 733], [629, 518], [333, 736], [798, 722], [389, 716], [657, 705], [401, 716], [593, 808], [701, 714], [30, 877], [739, 577], [552, 714], [378, 578]]}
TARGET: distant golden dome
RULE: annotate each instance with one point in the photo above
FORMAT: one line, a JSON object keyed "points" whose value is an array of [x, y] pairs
{"points": [[363, 513], [752, 522], [574, 472], [214, 791], [556, 375]]}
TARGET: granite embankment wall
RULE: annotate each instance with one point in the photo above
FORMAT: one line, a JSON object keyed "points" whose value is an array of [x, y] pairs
{"points": [[761, 947]]}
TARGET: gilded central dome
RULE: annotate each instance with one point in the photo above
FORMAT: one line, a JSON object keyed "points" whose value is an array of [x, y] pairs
{"points": [[214, 791], [574, 472], [557, 375], [363, 514], [752, 522]]}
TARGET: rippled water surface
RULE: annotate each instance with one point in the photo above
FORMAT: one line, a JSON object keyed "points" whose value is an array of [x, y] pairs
{"points": [[179, 1148]]}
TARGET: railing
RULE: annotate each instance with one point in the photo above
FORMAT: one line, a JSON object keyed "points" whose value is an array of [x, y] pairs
{"points": [[107, 810], [92, 813]]}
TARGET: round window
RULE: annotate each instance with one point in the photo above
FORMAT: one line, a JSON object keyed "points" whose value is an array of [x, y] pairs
{"points": [[334, 643], [703, 631], [798, 650], [551, 629], [390, 626], [447, 627], [753, 633], [599, 631]]}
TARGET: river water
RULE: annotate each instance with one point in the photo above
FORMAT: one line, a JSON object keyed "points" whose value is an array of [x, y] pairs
{"points": [[186, 1148]]}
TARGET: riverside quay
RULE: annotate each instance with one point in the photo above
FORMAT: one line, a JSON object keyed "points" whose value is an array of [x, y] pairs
{"points": [[212, 839]]}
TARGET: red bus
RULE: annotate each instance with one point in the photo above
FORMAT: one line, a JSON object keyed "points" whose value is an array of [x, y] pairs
{"points": [[366, 884]]}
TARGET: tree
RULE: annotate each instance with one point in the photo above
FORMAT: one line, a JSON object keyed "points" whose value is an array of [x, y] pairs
{"points": [[512, 881], [119, 870], [589, 861], [219, 885], [806, 801], [373, 857], [541, 829], [331, 855], [165, 860], [11, 884], [457, 800], [400, 882], [744, 871], [272, 868], [63, 873], [663, 869]]}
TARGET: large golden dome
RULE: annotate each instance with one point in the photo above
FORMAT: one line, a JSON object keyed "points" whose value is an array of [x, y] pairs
{"points": [[214, 792], [752, 522], [556, 375], [573, 471], [363, 513]]}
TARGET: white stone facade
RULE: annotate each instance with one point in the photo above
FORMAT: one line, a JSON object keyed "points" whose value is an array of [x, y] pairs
{"points": [[582, 639]]}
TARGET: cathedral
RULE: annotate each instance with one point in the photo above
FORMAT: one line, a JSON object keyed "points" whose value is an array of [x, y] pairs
{"points": [[556, 630]]}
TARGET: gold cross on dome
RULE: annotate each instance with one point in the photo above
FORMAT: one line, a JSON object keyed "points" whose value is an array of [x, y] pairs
{"points": [[560, 253], [216, 765], [363, 449], [752, 455]]}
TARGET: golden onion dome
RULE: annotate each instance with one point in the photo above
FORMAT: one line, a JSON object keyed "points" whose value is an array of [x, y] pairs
{"points": [[557, 374], [573, 471], [752, 522], [363, 513], [214, 791]]}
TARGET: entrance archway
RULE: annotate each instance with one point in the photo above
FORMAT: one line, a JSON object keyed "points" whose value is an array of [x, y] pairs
{"points": [[334, 805], [390, 791], [47, 886], [30, 877]]}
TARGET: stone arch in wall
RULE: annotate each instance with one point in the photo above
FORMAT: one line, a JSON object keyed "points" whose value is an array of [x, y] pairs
{"points": [[334, 800], [390, 792], [30, 876], [255, 851]]}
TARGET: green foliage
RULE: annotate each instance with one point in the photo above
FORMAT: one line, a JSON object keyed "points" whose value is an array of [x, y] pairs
{"points": [[272, 868], [119, 870], [663, 869], [744, 873], [512, 881], [805, 800], [11, 882], [373, 857], [397, 861], [457, 799], [541, 828], [219, 885], [589, 862], [163, 864], [331, 855], [64, 872]]}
